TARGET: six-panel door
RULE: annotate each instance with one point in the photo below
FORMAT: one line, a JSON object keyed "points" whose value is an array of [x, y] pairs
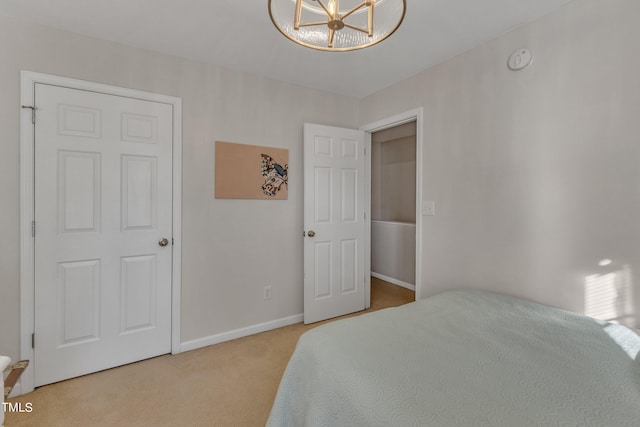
{"points": [[103, 201], [334, 281]]}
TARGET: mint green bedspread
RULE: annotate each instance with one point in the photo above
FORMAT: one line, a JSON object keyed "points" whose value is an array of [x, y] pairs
{"points": [[463, 358]]}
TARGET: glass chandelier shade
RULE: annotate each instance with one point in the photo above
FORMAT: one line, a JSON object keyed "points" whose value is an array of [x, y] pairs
{"points": [[337, 25]]}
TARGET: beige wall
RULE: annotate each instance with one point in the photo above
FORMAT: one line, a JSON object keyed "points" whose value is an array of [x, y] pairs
{"points": [[536, 173], [393, 174], [393, 204], [228, 254]]}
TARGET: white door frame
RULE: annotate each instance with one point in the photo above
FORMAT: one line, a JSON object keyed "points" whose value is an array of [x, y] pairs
{"points": [[28, 80], [399, 119]]}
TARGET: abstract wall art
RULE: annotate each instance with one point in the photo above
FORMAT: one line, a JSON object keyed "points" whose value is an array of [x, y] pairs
{"points": [[251, 172]]}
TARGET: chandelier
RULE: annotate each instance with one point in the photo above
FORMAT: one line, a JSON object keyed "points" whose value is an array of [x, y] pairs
{"points": [[337, 25]]}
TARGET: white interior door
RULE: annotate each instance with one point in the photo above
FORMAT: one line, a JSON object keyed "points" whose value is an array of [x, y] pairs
{"points": [[334, 221], [103, 202]]}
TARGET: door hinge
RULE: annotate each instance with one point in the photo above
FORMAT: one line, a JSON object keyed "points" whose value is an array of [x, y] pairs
{"points": [[33, 113], [33, 229], [33, 340]]}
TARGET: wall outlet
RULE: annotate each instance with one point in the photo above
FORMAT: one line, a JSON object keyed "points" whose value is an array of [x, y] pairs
{"points": [[267, 292]]}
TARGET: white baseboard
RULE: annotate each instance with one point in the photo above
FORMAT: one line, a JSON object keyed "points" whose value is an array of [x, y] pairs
{"points": [[394, 281], [239, 333]]}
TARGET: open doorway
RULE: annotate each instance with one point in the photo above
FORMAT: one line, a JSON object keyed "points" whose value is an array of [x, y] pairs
{"points": [[393, 205], [332, 156], [411, 116]]}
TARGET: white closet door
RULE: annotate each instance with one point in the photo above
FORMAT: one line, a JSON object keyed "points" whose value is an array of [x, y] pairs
{"points": [[103, 203]]}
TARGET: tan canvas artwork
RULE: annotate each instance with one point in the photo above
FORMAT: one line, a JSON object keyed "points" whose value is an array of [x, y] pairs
{"points": [[251, 172]]}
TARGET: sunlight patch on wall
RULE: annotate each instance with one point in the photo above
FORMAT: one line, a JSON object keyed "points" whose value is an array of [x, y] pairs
{"points": [[608, 296]]}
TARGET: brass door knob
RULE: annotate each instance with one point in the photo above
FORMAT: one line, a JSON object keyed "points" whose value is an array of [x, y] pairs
{"points": [[311, 233], [163, 242]]}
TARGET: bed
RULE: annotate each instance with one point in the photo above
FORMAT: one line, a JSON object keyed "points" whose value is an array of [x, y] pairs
{"points": [[463, 358]]}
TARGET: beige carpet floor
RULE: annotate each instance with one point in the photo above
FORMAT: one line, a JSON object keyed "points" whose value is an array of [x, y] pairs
{"points": [[229, 384]]}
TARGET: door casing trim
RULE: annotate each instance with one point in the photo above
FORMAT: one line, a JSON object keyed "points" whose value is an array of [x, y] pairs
{"points": [[28, 79]]}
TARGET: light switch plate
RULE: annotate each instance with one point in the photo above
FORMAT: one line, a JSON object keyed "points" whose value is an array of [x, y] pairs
{"points": [[428, 208]]}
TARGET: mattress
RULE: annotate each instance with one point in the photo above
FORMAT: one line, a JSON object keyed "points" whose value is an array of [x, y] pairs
{"points": [[463, 358]]}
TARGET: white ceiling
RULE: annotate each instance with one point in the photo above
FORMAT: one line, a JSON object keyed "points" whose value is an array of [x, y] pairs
{"points": [[238, 34]]}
